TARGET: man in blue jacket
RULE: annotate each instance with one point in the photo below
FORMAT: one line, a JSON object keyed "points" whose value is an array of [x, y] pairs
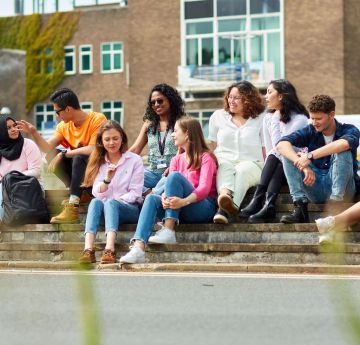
{"points": [[320, 160]]}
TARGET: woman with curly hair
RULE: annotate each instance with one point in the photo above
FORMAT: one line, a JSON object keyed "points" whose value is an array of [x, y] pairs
{"points": [[236, 133], [285, 115], [164, 108]]}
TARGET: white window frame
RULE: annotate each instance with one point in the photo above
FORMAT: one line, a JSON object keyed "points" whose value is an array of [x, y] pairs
{"points": [[112, 53], [73, 55], [248, 33], [81, 54], [113, 109], [89, 104], [201, 117], [44, 113]]}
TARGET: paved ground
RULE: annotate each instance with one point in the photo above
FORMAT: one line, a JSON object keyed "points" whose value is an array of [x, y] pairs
{"points": [[45, 308]]}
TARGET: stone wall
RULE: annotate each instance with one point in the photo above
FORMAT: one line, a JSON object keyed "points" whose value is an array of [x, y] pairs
{"points": [[12, 81]]}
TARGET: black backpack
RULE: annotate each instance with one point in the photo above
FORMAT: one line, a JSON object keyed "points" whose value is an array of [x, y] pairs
{"points": [[23, 200]]}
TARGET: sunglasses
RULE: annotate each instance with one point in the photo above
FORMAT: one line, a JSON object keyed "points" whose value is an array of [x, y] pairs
{"points": [[158, 101], [59, 110]]}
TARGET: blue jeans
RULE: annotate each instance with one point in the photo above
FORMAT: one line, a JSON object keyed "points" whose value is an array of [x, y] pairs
{"points": [[115, 213], [337, 183], [154, 180], [176, 185]]}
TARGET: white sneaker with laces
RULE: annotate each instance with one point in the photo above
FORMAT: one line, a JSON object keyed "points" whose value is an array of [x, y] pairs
{"points": [[163, 236], [325, 224], [327, 238], [135, 256]]}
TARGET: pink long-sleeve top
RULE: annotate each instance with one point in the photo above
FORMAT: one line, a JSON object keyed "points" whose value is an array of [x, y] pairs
{"points": [[127, 183], [203, 179], [29, 162]]}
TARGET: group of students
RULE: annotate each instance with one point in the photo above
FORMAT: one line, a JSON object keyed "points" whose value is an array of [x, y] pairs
{"points": [[188, 180]]}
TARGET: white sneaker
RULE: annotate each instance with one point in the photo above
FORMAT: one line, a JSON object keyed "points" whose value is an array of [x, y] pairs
{"points": [[328, 237], [163, 236], [135, 256], [325, 224]]}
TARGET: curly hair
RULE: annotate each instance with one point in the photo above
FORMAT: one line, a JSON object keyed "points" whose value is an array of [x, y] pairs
{"points": [[290, 103], [97, 156], [322, 103], [252, 101], [176, 107]]}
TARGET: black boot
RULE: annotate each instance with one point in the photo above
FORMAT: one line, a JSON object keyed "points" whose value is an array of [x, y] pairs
{"points": [[255, 203], [267, 213], [299, 215]]}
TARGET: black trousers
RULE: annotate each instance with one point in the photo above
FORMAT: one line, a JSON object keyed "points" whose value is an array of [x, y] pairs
{"points": [[71, 171], [273, 174]]}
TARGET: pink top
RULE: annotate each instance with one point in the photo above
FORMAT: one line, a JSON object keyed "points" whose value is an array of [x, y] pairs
{"points": [[203, 179], [127, 183], [29, 162]]}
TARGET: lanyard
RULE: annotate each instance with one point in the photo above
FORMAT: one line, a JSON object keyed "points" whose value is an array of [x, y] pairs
{"points": [[162, 144]]}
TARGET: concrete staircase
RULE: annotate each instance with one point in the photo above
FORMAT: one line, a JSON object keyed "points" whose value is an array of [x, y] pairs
{"points": [[238, 247]]}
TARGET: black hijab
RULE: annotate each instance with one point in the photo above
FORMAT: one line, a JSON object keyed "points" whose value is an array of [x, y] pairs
{"points": [[9, 148]]}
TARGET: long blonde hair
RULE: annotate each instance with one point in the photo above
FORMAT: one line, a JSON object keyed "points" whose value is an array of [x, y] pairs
{"points": [[97, 157], [198, 145]]}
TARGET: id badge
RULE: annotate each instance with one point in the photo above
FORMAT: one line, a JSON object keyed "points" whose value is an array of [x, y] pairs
{"points": [[161, 163]]}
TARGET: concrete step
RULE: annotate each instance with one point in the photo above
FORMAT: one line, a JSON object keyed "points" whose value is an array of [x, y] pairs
{"points": [[245, 253], [198, 267], [187, 233]]}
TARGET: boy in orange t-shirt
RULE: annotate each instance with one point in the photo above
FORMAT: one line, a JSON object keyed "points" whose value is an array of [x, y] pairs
{"points": [[77, 133]]}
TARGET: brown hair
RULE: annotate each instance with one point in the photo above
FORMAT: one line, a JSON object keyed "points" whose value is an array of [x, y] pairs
{"points": [[198, 145], [322, 104], [97, 157], [252, 101]]}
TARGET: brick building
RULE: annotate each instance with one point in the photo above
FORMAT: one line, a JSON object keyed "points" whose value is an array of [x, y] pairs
{"points": [[122, 48]]}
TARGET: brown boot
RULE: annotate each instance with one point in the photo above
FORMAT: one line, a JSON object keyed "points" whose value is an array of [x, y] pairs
{"points": [[108, 257], [88, 256], [69, 214]]}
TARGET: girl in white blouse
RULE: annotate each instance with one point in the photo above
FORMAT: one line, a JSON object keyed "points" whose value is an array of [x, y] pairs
{"points": [[285, 115], [236, 133]]}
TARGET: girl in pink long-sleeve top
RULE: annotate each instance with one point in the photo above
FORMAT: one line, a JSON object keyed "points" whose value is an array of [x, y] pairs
{"points": [[117, 177], [190, 191], [16, 153]]}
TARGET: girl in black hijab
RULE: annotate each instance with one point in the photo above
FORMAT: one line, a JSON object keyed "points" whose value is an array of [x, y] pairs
{"points": [[11, 140]]}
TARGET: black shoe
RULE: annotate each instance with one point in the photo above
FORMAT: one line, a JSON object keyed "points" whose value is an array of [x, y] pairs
{"points": [[268, 213], [256, 202], [221, 217], [299, 215]]}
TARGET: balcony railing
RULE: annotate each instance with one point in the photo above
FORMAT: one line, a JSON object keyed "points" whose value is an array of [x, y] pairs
{"points": [[213, 78]]}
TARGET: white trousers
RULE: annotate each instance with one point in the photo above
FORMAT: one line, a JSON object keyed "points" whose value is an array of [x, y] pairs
{"points": [[238, 177]]}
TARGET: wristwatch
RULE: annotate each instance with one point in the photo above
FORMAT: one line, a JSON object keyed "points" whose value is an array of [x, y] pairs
{"points": [[63, 153], [310, 156]]}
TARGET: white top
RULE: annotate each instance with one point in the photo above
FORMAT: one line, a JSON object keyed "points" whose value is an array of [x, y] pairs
{"points": [[274, 129], [236, 143]]}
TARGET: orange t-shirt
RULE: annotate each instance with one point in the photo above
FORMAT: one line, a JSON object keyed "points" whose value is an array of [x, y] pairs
{"points": [[74, 137]]}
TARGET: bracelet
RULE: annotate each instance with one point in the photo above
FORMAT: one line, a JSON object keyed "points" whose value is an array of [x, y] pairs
{"points": [[106, 181]]}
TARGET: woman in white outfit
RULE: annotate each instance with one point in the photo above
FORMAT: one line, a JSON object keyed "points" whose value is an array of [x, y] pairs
{"points": [[235, 131], [285, 115]]}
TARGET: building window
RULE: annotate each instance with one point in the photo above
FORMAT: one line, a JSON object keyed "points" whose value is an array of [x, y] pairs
{"points": [[85, 59], [232, 32], [70, 60], [44, 61], [111, 57], [203, 116], [113, 110], [86, 106], [45, 118]]}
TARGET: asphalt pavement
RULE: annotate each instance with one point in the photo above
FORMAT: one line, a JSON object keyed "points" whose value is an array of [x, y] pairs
{"points": [[123, 308]]}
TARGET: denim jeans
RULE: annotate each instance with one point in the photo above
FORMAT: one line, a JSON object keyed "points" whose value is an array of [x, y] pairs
{"points": [[176, 185], [115, 213], [337, 183], [155, 181]]}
